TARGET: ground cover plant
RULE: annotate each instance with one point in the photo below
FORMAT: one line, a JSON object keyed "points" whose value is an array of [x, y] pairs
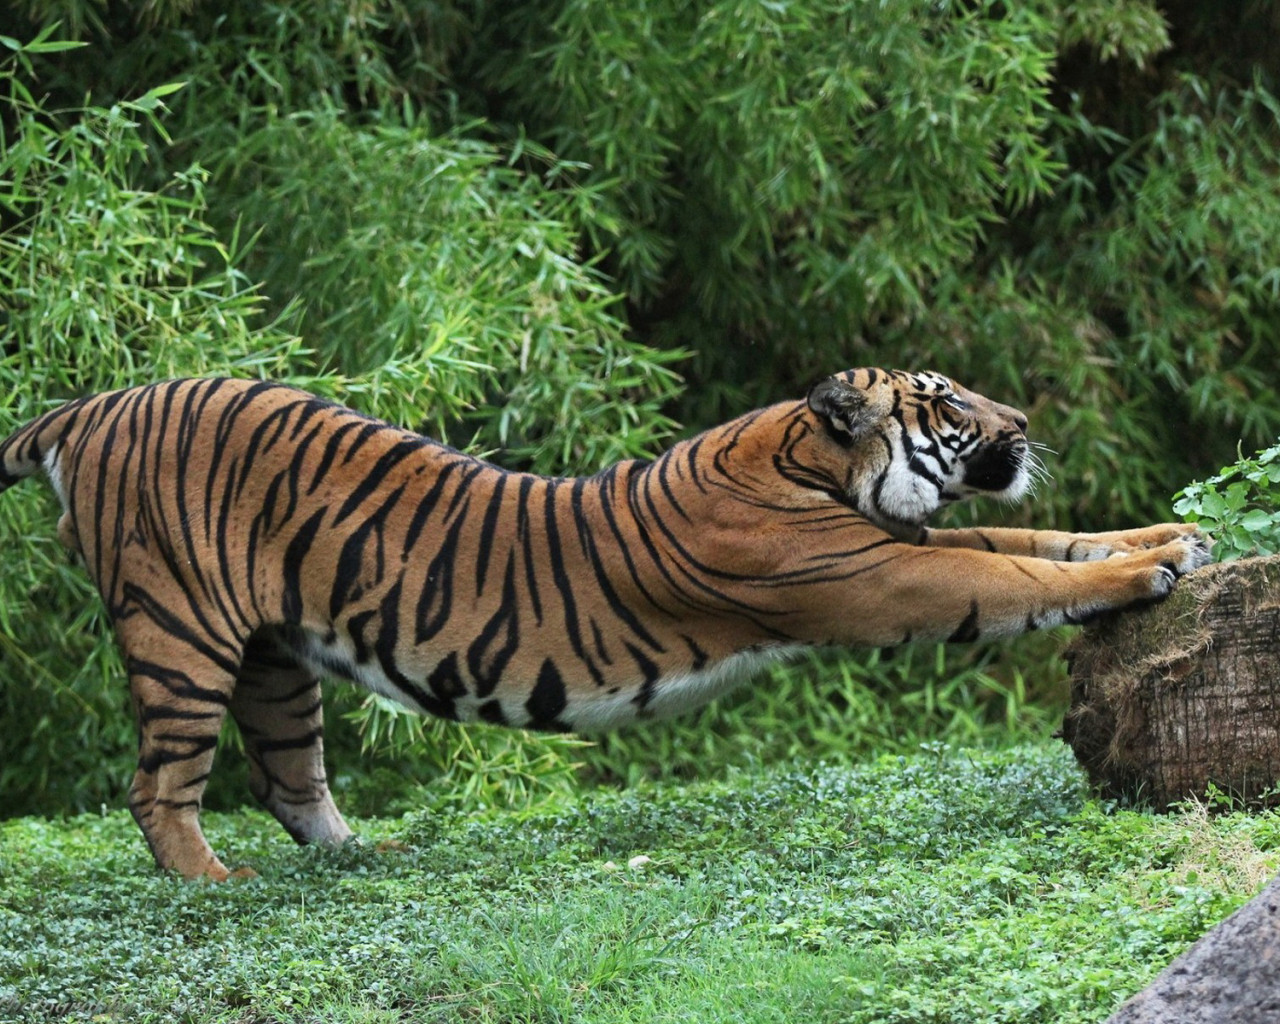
{"points": [[946, 886]]}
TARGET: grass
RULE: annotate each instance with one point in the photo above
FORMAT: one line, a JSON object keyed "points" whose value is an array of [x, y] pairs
{"points": [[945, 886]]}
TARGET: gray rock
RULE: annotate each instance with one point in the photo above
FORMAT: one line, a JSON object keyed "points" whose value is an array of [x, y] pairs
{"points": [[1231, 976]]}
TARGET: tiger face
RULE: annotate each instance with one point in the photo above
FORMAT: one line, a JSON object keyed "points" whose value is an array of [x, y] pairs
{"points": [[915, 442]]}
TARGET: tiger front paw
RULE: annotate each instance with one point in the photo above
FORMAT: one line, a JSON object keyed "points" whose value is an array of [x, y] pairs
{"points": [[1124, 542], [1196, 548], [1175, 559]]}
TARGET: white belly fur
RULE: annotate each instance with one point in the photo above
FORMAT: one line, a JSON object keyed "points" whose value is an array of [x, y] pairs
{"points": [[606, 708], [673, 694]]}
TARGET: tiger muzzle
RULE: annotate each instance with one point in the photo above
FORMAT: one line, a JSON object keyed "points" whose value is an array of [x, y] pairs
{"points": [[996, 467]]}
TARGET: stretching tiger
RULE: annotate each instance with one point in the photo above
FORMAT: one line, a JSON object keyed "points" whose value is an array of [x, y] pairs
{"points": [[248, 538]]}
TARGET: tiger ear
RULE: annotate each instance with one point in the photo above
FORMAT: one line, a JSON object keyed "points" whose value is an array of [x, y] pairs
{"points": [[845, 409]]}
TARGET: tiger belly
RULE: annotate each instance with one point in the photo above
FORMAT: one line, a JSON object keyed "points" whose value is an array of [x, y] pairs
{"points": [[674, 693], [595, 709]]}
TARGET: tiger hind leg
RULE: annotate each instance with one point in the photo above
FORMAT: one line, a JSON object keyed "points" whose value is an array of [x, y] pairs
{"points": [[277, 707], [180, 712]]}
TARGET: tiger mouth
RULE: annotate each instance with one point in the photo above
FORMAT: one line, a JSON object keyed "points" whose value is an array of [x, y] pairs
{"points": [[998, 468]]}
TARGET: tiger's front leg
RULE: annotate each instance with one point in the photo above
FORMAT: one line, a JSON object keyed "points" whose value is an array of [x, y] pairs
{"points": [[958, 594], [1058, 546]]}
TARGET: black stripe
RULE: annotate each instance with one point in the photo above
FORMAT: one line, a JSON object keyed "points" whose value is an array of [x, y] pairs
{"points": [[620, 541], [367, 430], [259, 444], [620, 610], [447, 685], [163, 616], [484, 661], [330, 453], [699, 655], [436, 601], [526, 546], [376, 475], [310, 738], [968, 630], [175, 681], [488, 530], [291, 569], [425, 507], [548, 698], [563, 584], [157, 759], [186, 437], [348, 584], [650, 673]]}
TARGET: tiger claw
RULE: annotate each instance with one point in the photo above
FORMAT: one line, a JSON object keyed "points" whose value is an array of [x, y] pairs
{"points": [[1187, 554]]}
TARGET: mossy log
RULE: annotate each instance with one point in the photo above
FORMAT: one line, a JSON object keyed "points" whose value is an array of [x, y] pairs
{"points": [[1171, 701]]}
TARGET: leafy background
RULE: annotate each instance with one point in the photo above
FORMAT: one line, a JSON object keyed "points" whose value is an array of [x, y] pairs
{"points": [[560, 231]]}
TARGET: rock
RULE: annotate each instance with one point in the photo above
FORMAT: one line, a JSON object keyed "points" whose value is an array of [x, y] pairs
{"points": [[1230, 976]]}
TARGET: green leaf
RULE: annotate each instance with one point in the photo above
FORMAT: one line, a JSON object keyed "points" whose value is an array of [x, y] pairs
{"points": [[1214, 505], [1257, 520], [151, 99], [52, 46]]}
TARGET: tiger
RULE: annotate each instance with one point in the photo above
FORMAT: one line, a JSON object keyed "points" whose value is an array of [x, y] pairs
{"points": [[248, 539]]}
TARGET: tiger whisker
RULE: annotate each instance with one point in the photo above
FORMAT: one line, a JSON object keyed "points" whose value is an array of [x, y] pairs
{"points": [[1035, 465]]}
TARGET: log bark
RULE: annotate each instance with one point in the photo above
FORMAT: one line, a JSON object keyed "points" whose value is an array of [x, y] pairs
{"points": [[1230, 976], [1173, 700]]}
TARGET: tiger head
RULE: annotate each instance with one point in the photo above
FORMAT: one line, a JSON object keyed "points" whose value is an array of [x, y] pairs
{"points": [[907, 444]]}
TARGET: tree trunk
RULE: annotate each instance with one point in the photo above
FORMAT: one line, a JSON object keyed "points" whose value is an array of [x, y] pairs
{"points": [[1172, 701]]}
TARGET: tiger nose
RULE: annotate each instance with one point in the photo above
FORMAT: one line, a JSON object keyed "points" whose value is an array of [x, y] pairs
{"points": [[1014, 416]]}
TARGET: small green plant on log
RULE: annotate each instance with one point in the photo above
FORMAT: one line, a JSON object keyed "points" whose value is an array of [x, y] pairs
{"points": [[1239, 507]]}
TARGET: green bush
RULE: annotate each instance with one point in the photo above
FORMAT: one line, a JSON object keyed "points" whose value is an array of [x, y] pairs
{"points": [[507, 222], [468, 277], [791, 168], [1238, 507]]}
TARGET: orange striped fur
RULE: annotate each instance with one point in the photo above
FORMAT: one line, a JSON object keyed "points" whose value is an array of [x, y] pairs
{"points": [[248, 538]]}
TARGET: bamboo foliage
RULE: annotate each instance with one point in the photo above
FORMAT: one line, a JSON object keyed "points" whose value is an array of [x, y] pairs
{"points": [[512, 225]]}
